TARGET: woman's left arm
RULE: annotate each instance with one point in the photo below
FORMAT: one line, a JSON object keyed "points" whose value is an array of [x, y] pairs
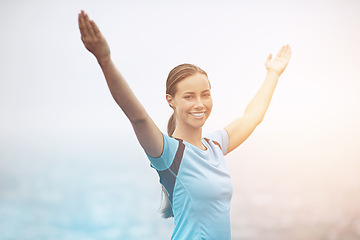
{"points": [[240, 129]]}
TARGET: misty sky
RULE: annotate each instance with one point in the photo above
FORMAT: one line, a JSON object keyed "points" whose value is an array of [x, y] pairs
{"points": [[53, 94]]}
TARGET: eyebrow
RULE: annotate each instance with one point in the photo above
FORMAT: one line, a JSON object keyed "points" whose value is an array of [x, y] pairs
{"points": [[207, 90]]}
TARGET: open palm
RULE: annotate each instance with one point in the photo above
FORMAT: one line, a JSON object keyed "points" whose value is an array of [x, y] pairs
{"points": [[279, 63], [92, 38]]}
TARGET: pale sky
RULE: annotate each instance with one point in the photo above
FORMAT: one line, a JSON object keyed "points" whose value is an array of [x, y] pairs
{"points": [[53, 93]]}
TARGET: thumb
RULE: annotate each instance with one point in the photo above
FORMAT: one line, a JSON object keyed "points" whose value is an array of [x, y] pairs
{"points": [[268, 60]]}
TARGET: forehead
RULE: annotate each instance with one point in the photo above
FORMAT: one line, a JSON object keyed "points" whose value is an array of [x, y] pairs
{"points": [[195, 83]]}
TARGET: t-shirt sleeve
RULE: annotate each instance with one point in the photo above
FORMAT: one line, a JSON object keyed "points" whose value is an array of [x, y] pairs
{"points": [[222, 137], [167, 156]]}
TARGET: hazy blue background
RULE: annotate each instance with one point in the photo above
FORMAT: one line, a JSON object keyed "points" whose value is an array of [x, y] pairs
{"points": [[70, 165]]}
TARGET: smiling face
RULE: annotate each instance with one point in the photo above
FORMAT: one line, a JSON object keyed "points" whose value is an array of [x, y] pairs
{"points": [[192, 102]]}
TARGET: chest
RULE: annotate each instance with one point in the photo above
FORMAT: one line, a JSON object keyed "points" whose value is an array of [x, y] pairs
{"points": [[204, 176]]}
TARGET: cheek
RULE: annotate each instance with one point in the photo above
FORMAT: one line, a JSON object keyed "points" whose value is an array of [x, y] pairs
{"points": [[208, 103], [183, 106]]}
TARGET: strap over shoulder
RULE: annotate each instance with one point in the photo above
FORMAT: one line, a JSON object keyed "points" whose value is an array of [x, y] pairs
{"points": [[168, 176], [178, 157], [215, 142]]}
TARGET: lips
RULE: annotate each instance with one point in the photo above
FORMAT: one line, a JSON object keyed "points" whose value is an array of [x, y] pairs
{"points": [[197, 114]]}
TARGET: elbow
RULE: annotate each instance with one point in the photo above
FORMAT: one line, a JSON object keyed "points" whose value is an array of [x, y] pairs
{"points": [[259, 117], [257, 121], [138, 120], [256, 118]]}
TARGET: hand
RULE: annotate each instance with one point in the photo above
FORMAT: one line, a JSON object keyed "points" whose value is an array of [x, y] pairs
{"points": [[93, 39], [279, 63]]}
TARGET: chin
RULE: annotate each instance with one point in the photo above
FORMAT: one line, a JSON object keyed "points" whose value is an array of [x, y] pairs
{"points": [[198, 124]]}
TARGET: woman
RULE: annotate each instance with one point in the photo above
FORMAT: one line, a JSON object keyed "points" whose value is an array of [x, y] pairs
{"points": [[192, 169]]}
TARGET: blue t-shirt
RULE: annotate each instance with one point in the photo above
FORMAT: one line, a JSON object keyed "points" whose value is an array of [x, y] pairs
{"points": [[202, 190]]}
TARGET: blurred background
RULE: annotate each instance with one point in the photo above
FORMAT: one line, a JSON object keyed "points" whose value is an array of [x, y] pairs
{"points": [[70, 164]]}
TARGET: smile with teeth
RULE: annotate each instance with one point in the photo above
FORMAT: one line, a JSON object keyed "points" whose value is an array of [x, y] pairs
{"points": [[198, 114]]}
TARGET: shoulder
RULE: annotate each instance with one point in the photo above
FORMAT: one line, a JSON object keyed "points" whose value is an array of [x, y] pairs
{"points": [[220, 138], [164, 161]]}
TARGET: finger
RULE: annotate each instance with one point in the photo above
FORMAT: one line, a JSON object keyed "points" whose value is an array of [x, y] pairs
{"points": [[280, 53], [283, 50], [288, 53], [83, 29], [268, 59], [89, 27], [95, 28], [286, 50]]}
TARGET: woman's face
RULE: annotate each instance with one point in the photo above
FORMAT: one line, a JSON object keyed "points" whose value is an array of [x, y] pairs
{"points": [[192, 101]]}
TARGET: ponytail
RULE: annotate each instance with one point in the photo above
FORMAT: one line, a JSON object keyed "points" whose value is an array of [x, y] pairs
{"points": [[171, 125], [167, 209]]}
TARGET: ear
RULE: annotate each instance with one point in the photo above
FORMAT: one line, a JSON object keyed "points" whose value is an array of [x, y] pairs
{"points": [[170, 100]]}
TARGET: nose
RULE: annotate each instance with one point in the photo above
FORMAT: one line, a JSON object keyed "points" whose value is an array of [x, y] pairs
{"points": [[198, 104]]}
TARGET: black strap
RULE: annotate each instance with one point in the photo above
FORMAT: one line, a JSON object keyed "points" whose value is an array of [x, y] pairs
{"points": [[168, 176], [178, 157], [215, 142]]}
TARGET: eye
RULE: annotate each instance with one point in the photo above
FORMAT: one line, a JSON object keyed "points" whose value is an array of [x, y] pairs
{"points": [[188, 97]]}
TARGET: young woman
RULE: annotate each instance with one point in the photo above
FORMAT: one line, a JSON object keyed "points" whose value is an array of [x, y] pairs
{"points": [[192, 168]]}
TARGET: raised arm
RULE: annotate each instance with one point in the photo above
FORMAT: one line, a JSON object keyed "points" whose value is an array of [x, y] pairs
{"points": [[148, 134], [240, 129]]}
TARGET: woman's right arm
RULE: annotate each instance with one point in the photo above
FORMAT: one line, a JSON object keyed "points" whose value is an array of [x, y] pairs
{"points": [[148, 134]]}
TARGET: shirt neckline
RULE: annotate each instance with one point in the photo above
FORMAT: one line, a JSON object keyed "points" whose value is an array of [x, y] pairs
{"points": [[204, 142], [197, 148]]}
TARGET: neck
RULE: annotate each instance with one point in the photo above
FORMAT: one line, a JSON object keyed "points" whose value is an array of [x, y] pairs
{"points": [[192, 136]]}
